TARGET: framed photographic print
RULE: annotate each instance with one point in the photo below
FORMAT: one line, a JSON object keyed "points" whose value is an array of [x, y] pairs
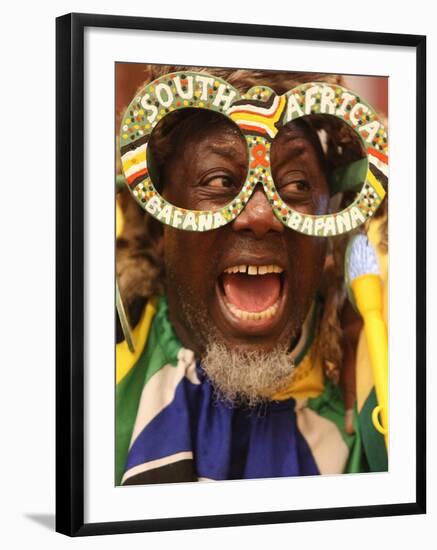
{"points": [[237, 338]]}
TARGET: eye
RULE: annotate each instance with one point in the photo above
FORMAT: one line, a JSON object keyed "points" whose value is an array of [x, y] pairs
{"points": [[219, 181], [297, 186], [302, 185]]}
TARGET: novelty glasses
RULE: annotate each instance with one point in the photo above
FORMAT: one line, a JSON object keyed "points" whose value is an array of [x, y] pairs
{"points": [[261, 120]]}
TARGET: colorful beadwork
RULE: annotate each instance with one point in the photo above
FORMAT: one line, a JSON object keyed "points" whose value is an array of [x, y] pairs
{"points": [[259, 113]]}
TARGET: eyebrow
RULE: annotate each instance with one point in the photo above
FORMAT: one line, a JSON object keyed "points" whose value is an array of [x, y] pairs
{"points": [[224, 150], [292, 151]]}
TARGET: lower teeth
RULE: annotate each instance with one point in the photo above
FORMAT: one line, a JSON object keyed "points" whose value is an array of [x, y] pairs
{"points": [[253, 315]]}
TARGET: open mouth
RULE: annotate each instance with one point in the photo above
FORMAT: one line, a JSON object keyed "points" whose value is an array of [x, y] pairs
{"points": [[252, 296]]}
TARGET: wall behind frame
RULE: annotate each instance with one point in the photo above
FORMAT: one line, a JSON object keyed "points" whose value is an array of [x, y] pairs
{"points": [[27, 278]]}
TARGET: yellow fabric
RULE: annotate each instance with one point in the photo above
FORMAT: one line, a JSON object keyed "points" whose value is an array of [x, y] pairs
{"points": [[119, 220], [124, 358], [307, 380], [364, 378]]}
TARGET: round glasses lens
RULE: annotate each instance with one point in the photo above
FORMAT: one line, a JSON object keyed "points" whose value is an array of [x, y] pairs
{"points": [[319, 164], [197, 159]]}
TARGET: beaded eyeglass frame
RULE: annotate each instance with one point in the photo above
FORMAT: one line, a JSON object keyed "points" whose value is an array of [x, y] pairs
{"points": [[259, 114]]}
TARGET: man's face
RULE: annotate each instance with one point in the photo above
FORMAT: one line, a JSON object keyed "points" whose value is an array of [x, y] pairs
{"points": [[249, 285]]}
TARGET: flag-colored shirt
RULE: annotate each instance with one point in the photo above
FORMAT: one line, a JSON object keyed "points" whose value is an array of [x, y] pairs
{"points": [[171, 427]]}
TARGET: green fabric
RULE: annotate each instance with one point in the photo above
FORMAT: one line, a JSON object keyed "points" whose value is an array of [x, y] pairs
{"points": [[373, 441], [330, 405], [349, 177], [357, 461], [161, 349]]}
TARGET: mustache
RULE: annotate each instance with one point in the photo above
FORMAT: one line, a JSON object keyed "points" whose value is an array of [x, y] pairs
{"points": [[236, 244]]}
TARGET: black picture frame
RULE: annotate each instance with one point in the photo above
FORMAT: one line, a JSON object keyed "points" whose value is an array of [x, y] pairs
{"points": [[70, 272]]}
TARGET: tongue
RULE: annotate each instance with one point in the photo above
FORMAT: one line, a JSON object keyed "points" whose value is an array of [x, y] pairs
{"points": [[252, 292]]}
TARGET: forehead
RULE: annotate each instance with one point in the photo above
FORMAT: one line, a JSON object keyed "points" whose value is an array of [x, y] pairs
{"points": [[199, 125], [295, 140]]}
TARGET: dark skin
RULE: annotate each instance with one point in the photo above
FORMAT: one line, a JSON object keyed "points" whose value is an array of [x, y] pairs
{"points": [[206, 168]]}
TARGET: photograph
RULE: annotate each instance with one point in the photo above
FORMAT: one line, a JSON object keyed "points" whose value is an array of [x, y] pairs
{"points": [[251, 273]]}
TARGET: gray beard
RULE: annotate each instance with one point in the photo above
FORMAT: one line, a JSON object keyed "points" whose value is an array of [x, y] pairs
{"points": [[238, 375], [247, 377]]}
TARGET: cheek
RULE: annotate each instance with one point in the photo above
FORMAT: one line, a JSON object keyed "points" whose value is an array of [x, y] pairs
{"points": [[174, 191], [308, 262], [189, 259]]}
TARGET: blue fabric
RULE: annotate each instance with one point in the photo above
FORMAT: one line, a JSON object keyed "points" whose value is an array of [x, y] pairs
{"points": [[227, 442]]}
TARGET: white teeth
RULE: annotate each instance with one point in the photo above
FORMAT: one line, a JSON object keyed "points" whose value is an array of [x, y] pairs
{"points": [[252, 315], [254, 270]]}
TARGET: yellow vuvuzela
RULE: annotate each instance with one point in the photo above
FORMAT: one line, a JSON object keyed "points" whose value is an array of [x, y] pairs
{"points": [[362, 273]]}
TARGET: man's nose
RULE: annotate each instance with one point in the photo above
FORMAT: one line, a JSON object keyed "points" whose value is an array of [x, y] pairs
{"points": [[257, 216]]}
